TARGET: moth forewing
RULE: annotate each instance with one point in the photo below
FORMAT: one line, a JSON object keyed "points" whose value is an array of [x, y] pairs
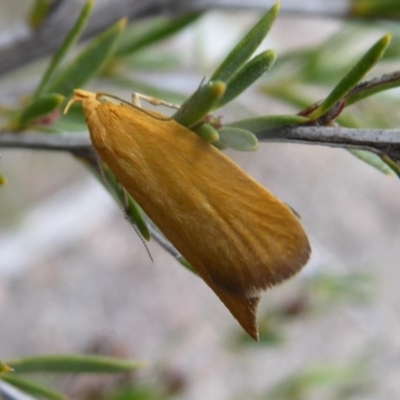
{"points": [[237, 235]]}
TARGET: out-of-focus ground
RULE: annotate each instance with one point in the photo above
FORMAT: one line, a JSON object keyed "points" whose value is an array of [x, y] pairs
{"points": [[73, 271]]}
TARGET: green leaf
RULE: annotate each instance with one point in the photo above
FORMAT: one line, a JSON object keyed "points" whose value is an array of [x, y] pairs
{"points": [[38, 13], [132, 209], [366, 62], [135, 213], [69, 41], [246, 47], [375, 8], [395, 167], [4, 367], [71, 363], [89, 62], [74, 121], [152, 60], [40, 106], [207, 132], [353, 287], [188, 266], [324, 376], [237, 139], [3, 181], [372, 159], [197, 106], [33, 388], [373, 86], [270, 121], [135, 39], [136, 392], [247, 75], [289, 92]]}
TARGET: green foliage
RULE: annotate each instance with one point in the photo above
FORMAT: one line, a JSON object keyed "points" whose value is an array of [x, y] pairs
{"points": [[196, 107], [375, 161], [73, 363], [207, 132], [319, 67], [4, 368], [3, 180], [370, 58], [32, 387], [237, 58], [271, 121], [137, 393], [69, 41], [247, 75], [345, 380], [88, 63], [131, 208], [138, 37], [56, 82], [38, 13], [237, 139], [375, 8], [61, 364], [40, 106]]}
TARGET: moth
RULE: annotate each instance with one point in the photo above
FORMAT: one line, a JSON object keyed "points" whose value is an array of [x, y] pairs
{"points": [[238, 236]]}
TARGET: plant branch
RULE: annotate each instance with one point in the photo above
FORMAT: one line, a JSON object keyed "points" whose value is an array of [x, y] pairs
{"points": [[381, 141], [73, 142]]}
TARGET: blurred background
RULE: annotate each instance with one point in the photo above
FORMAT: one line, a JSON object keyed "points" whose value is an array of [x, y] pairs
{"points": [[75, 277]]}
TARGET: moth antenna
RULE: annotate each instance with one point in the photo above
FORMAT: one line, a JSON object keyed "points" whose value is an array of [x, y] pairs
{"points": [[123, 206], [135, 104], [150, 114], [152, 100], [156, 102]]}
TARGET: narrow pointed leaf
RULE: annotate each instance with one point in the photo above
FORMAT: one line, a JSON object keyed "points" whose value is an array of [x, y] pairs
{"points": [[373, 160], [247, 75], [71, 363], [270, 121], [134, 39], [375, 8], [38, 13], [69, 41], [246, 47], [237, 139], [199, 104], [89, 62], [207, 132], [32, 388], [40, 107], [134, 212], [366, 62], [393, 165], [184, 263], [368, 88], [4, 367], [3, 181]]}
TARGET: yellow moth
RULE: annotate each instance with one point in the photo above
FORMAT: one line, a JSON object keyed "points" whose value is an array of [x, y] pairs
{"points": [[237, 235]]}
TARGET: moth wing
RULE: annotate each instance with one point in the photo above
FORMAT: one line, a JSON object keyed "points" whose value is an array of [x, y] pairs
{"points": [[259, 243], [238, 236]]}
